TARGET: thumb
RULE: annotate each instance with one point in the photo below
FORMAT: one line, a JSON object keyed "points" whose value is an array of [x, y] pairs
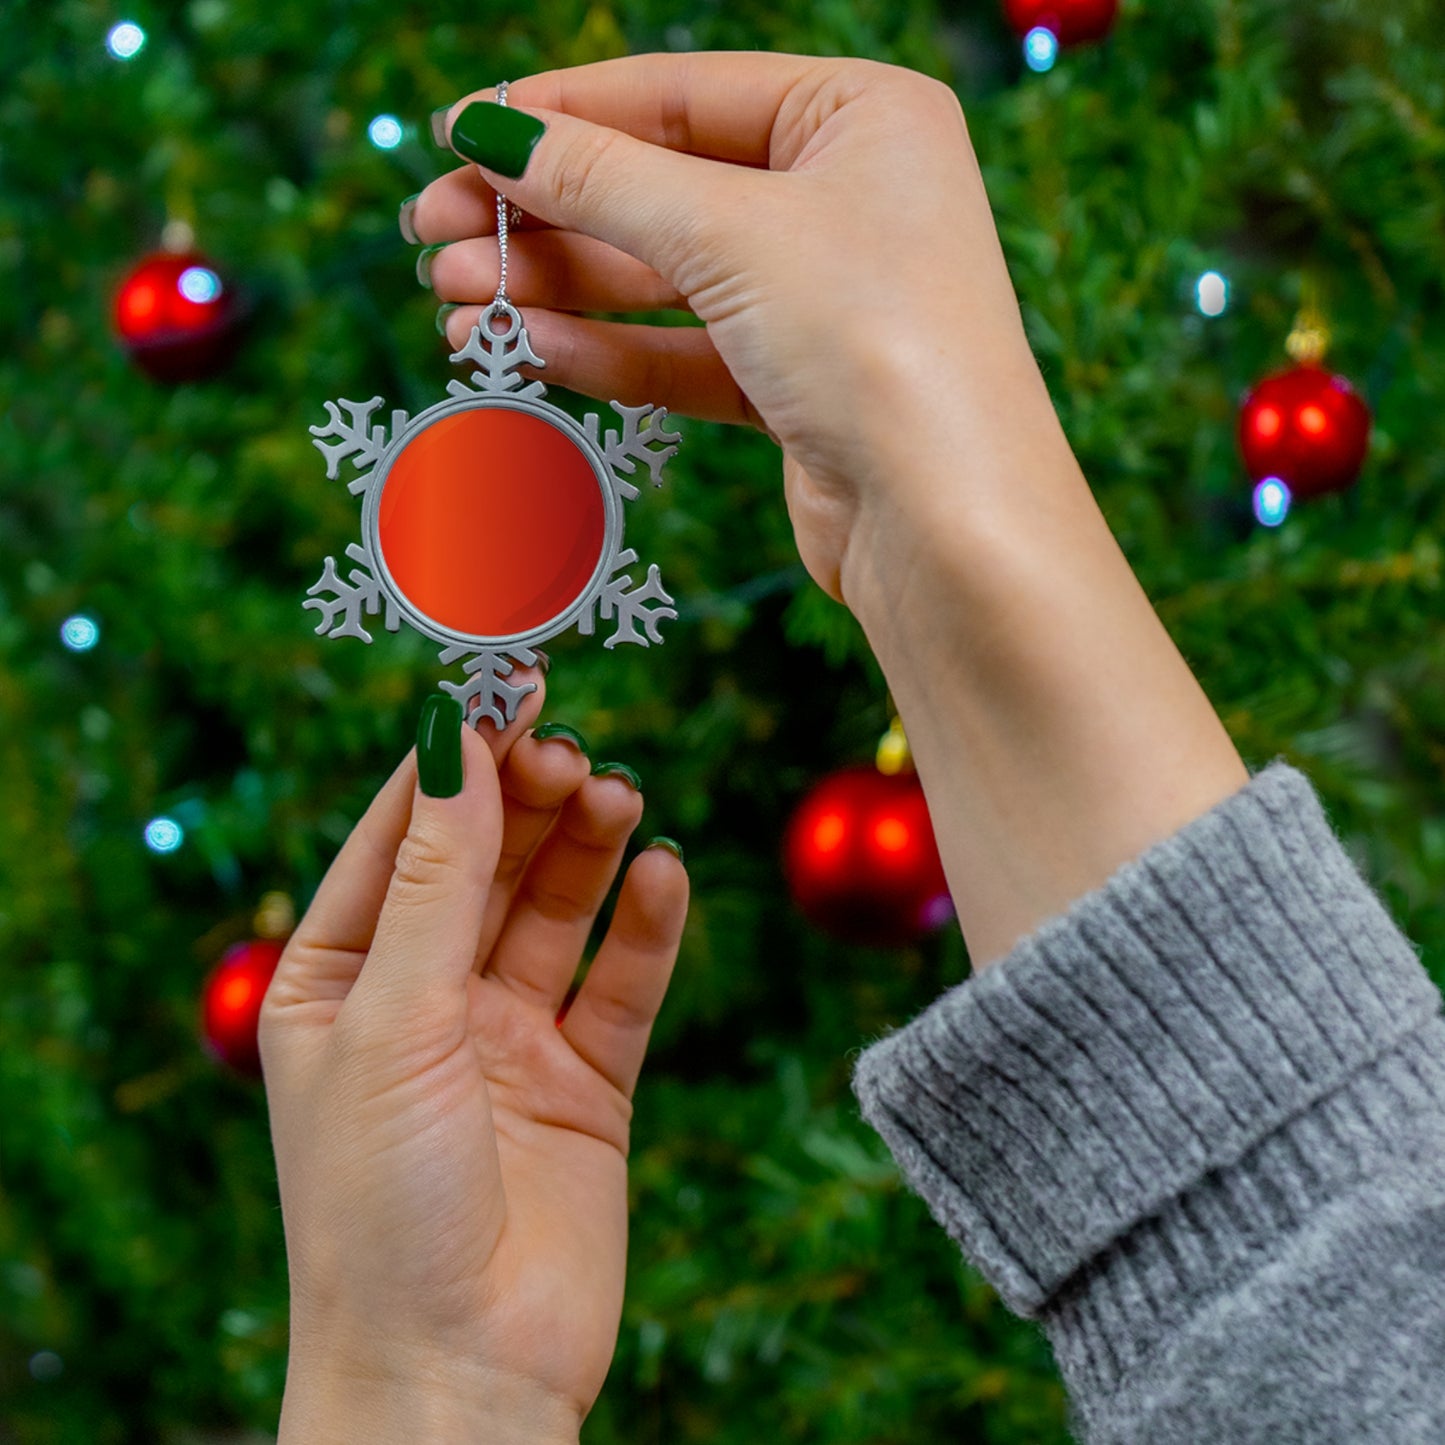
{"points": [[656, 204], [425, 942]]}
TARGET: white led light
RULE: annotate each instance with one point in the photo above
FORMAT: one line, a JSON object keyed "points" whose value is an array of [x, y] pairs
{"points": [[199, 284], [1041, 48], [79, 633], [126, 40], [1211, 293], [1271, 502], [164, 835], [385, 132]]}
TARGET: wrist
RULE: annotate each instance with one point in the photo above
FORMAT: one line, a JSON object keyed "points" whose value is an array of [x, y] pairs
{"points": [[1057, 731], [956, 476], [408, 1399]]}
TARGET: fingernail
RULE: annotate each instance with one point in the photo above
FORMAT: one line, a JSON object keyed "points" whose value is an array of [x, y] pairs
{"points": [[496, 136], [621, 770], [423, 263], [543, 661], [439, 746], [404, 219], [561, 730], [439, 125], [671, 844], [443, 312]]}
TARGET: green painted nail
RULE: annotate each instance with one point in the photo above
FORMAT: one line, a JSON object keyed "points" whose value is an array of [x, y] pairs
{"points": [[496, 136], [443, 311], [404, 219], [621, 770], [439, 746], [561, 730], [439, 125], [423, 262], [671, 844]]}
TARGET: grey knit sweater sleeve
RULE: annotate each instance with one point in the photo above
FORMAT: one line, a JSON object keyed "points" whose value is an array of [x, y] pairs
{"points": [[1195, 1126]]}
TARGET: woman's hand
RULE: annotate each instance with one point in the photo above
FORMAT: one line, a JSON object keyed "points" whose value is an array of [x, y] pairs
{"points": [[825, 218], [452, 1158]]}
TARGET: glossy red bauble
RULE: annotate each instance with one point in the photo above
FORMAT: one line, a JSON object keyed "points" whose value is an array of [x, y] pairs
{"points": [[231, 1003], [1073, 22], [1307, 427], [176, 317], [861, 861]]}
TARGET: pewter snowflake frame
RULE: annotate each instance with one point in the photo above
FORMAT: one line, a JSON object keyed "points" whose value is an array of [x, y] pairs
{"points": [[614, 456]]}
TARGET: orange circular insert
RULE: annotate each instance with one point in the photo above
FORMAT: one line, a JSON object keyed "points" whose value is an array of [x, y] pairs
{"points": [[491, 522]]}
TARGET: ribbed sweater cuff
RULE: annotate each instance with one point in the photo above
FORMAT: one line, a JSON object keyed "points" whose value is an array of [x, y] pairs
{"points": [[1221, 984]]}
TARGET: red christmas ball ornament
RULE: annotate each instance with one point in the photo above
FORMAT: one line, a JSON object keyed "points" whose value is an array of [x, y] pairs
{"points": [[176, 317], [861, 861], [1071, 22], [231, 1003], [1307, 427]]}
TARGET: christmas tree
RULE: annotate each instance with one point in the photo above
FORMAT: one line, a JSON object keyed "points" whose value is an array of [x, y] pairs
{"points": [[178, 743]]}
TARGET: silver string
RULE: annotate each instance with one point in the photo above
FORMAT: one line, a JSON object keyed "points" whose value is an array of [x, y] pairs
{"points": [[500, 299]]}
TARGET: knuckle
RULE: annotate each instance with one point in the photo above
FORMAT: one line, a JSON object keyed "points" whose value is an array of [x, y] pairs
{"points": [[620, 1012], [424, 862], [578, 171]]}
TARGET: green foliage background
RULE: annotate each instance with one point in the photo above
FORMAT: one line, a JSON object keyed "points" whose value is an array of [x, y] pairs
{"points": [[783, 1285]]}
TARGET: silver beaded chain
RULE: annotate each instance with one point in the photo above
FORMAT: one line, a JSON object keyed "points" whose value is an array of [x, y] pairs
{"points": [[501, 299]]}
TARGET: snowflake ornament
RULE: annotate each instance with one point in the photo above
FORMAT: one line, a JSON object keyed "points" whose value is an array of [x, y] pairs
{"points": [[492, 521]]}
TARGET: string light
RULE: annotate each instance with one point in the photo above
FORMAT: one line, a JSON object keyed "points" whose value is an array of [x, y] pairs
{"points": [[1271, 502], [199, 284], [164, 835], [385, 132], [126, 40], [46, 1365], [79, 633], [1211, 294], [1041, 48]]}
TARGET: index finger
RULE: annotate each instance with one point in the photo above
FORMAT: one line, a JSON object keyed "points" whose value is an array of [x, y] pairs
{"points": [[722, 105]]}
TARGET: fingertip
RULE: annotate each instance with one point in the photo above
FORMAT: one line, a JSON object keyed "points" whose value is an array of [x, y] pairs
{"points": [[657, 885], [501, 741], [540, 773], [663, 881], [670, 845]]}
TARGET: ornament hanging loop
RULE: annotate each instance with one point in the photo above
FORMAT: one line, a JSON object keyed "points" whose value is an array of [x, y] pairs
{"points": [[502, 309]]}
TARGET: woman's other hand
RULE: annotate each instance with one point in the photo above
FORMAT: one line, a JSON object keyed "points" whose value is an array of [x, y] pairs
{"points": [[452, 1157]]}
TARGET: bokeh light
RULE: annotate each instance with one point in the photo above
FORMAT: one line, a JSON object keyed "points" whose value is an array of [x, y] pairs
{"points": [[1211, 293], [385, 132], [164, 835], [199, 284], [126, 40], [79, 633], [1041, 48], [1271, 501]]}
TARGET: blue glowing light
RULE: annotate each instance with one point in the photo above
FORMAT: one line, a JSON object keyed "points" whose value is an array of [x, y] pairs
{"points": [[126, 40], [385, 132], [79, 633], [1041, 48], [199, 284], [164, 835], [1211, 293], [1271, 502]]}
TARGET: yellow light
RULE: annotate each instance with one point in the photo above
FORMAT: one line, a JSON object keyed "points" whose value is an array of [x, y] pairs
{"points": [[1313, 420]]}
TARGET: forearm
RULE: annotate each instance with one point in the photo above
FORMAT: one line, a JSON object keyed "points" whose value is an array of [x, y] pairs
{"points": [[1056, 729]]}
